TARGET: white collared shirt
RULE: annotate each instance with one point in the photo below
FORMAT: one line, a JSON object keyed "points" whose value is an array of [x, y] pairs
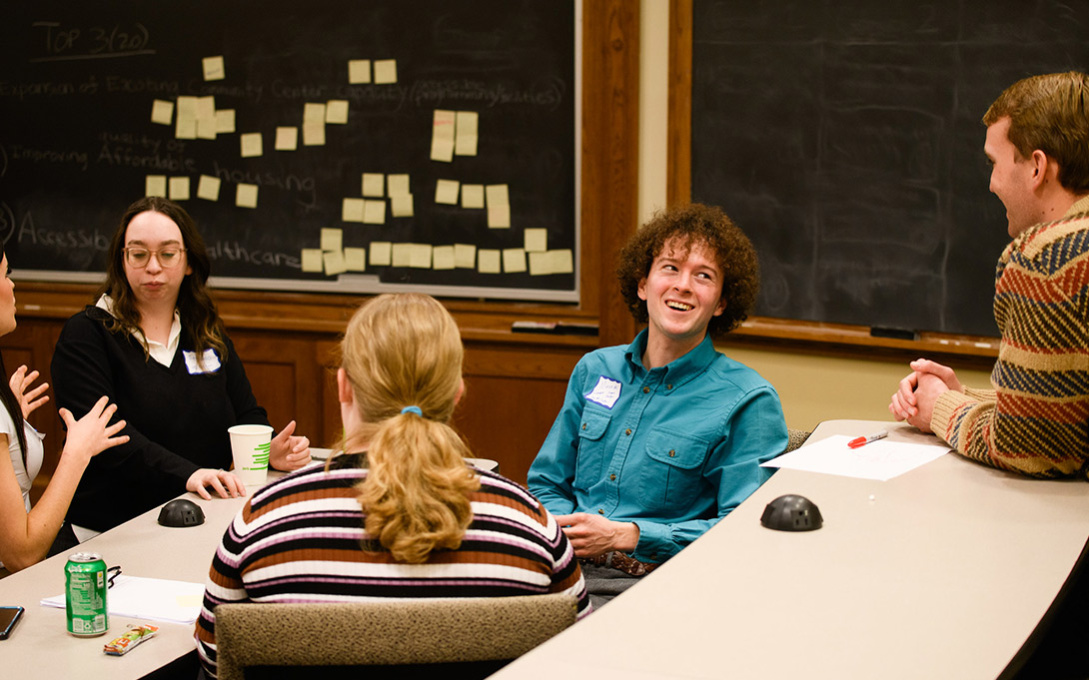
{"points": [[163, 354]]}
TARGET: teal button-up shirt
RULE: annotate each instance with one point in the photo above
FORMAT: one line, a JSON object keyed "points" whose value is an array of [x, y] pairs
{"points": [[673, 449]]}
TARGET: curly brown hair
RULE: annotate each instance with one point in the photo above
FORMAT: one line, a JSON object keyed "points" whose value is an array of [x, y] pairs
{"points": [[685, 227]]}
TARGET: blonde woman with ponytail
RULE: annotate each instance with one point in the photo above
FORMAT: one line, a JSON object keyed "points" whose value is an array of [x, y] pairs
{"points": [[400, 513]]}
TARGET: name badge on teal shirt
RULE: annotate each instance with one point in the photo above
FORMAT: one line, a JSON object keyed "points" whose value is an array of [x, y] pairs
{"points": [[209, 364], [605, 392]]}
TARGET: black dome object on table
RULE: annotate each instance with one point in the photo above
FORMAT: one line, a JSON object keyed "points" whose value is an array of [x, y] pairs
{"points": [[181, 512], [792, 513]]}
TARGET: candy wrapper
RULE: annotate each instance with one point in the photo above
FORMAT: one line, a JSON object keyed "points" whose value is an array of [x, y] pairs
{"points": [[129, 639]]}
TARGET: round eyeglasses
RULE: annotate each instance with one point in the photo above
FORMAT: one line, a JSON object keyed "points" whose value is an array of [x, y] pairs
{"points": [[168, 257]]}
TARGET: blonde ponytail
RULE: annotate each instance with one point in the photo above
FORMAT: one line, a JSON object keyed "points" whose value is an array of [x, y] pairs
{"points": [[402, 355]]}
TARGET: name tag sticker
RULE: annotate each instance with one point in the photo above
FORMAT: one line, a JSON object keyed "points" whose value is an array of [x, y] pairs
{"points": [[605, 392], [210, 362]]}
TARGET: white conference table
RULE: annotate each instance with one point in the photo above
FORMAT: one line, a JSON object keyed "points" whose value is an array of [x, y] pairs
{"points": [[943, 572], [40, 645]]}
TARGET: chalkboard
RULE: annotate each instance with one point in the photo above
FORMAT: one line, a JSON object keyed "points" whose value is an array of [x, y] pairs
{"points": [[80, 82], [844, 137]]}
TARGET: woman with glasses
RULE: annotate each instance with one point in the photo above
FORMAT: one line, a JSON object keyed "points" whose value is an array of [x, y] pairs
{"points": [[155, 345]]}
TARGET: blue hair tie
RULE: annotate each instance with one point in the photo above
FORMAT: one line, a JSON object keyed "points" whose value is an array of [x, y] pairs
{"points": [[412, 409]]}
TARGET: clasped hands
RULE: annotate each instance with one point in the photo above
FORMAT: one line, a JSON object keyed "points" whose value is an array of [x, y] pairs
{"points": [[914, 401]]}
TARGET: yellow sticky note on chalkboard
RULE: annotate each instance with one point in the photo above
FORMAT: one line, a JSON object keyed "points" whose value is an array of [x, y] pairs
{"points": [[334, 263], [332, 239], [179, 188], [206, 117], [381, 253], [374, 184], [287, 138], [464, 256], [401, 205], [359, 71], [536, 240], [214, 68], [355, 259], [466, 133], [497, 194], [420, 256], [499, 216], [336, 111], [246, 195], [398, 185], [313, 112], [539, 264], [374, 212], [206, 128], [208, 188], [185, 122], [472, 195], [252, 145], [514, 260], [402, 254], [442, 135], [312, 261], [488, 261], [385, 71], [313, 134], [155, 185], [442, 257], [446, 191], [352, 210], [162, 112], [225, 121], [561, 261]]}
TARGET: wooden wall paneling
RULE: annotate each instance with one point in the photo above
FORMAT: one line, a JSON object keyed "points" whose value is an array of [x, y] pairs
{"points": [[285, 379], [512, 397], [610, 155], [31, 344]]}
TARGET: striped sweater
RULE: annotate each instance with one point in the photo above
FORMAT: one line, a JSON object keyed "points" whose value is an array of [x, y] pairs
{"points": [[1035, 420], [299, 540]]}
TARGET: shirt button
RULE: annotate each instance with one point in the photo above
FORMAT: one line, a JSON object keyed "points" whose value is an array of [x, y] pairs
{"points": [[669, 387], [628, 431], [646, 390], [612, 478], [672, 453], [600, 511], [584, 426]]}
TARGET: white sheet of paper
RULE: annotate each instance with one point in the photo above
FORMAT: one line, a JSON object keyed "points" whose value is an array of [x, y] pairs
{"points": [[880, 460], [153, 599]]}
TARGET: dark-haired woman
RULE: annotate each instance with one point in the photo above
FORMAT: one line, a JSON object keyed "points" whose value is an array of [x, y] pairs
{"points": [[25, 532], [154, 343]]}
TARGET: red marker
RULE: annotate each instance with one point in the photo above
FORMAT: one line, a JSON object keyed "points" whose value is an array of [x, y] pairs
{"points": [[862, 441]]}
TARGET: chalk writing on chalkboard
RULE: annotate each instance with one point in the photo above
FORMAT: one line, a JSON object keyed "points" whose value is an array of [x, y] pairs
{"points": [[337, 146], [845, 138]]}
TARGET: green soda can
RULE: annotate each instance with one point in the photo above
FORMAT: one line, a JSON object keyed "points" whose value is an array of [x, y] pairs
{"points": [[85, 595]]}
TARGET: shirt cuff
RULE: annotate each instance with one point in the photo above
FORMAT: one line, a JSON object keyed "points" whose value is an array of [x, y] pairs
{"points": [[655, 542], [945, 408]]}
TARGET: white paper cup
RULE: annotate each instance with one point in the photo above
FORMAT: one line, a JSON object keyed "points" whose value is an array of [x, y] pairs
{"points": [[250, 446]]}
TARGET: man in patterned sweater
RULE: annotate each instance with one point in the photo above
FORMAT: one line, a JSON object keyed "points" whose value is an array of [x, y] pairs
{"points": [[1036, 419]]}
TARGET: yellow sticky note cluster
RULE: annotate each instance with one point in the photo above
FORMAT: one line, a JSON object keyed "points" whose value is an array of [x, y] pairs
{"points": [[453, 133], [359, 71]]}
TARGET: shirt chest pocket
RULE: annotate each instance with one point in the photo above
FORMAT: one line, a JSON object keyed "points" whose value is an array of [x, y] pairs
{"points": [[591, 456], [674, 469]]}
